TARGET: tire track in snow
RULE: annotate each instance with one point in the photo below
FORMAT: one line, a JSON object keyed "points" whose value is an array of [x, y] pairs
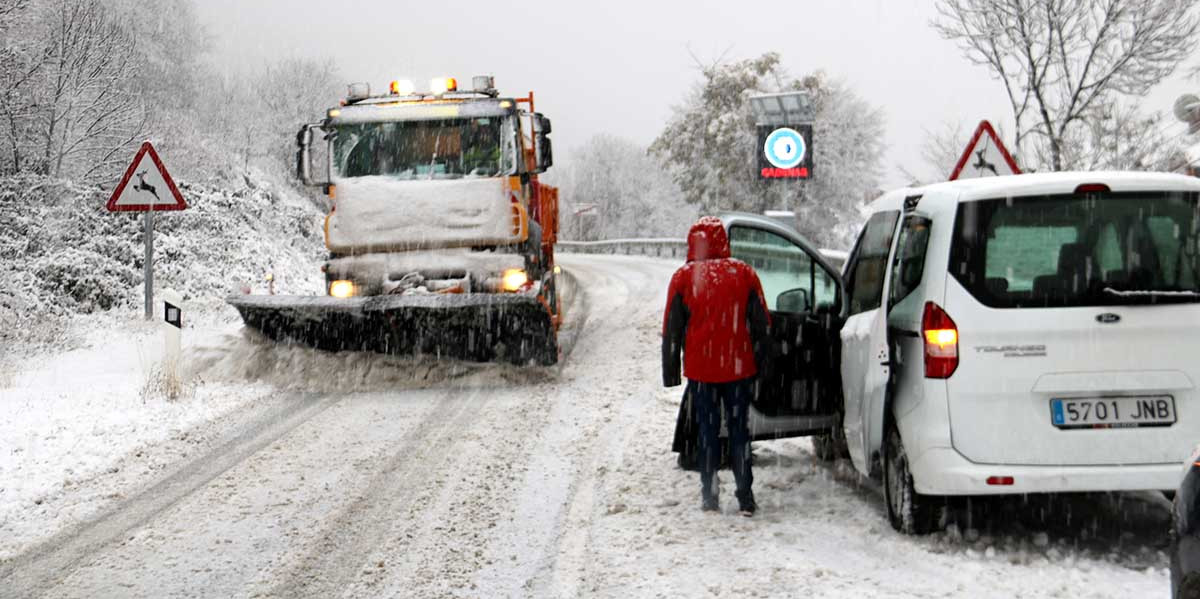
{"points": [[346, 556], [570, 570], [443, 536], [34, 571], [343, 552], [548, 534]]}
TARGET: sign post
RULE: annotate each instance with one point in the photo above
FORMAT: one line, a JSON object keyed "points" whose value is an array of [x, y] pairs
{"points": [[154, 191], [148, 277]]}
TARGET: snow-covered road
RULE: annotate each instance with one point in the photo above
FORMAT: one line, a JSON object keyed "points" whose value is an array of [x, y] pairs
{"points": [[399, 479]]}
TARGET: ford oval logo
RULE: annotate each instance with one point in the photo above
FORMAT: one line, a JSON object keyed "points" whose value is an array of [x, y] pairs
{"points": [[1108, 318]]}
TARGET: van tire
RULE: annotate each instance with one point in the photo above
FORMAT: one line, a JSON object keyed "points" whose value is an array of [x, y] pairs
{"points": [[908, 511]]}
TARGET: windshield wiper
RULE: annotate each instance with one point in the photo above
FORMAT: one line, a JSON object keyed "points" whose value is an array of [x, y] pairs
{"points": [[1150, 293]]}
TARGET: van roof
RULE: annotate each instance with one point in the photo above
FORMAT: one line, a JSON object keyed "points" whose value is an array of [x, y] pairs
{"points": [[967, 190]]}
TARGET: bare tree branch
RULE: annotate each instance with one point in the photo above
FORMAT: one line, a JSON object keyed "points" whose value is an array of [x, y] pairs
{"points": [[1066, 58]]}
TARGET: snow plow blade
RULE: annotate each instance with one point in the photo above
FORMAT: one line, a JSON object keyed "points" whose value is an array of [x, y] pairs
{"points": [[478, 327]]}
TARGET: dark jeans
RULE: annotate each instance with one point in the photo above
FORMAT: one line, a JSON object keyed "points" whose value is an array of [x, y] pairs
{"points": [[706, 401]]}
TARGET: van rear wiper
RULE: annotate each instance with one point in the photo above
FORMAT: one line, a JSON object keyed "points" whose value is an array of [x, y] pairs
{"points": [[1150, 293]]}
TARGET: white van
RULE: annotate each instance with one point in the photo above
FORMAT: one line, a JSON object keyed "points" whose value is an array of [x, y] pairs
{"points": [[1007, 335]]}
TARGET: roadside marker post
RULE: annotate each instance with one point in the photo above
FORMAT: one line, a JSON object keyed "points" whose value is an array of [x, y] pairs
{"points": [[172, 332], [154, 191]]}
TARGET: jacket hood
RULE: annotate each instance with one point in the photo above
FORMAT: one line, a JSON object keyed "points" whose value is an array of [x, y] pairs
{"points": [[707, 240]]}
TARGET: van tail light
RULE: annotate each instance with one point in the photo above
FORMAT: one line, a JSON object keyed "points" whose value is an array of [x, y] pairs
{"points": [[1001, 481], [1087, 188], [941, 342]]}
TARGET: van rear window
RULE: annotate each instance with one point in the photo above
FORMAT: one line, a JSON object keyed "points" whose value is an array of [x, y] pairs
{"points": [[1075, 250]]}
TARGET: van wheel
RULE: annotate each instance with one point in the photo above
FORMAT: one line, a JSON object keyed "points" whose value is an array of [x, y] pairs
{"points": [[908, 511]]}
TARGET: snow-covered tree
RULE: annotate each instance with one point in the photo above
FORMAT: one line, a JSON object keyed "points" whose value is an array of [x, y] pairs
{"points": [[172, 79], [20, 63], [1065, 63], [941, 148], [711, 146], [83, 81], [1118, 136], [292, 92], [612, 188], [84, 110]]}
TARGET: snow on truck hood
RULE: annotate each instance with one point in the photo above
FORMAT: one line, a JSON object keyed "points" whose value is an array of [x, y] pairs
{"points": [[379, 214]]}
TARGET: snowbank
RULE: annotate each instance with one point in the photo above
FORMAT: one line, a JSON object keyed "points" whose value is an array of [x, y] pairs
{"points": [[82, 427]]}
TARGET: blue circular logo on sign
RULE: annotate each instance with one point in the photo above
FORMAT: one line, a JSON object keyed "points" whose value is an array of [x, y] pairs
{"points": [[785, 148]]}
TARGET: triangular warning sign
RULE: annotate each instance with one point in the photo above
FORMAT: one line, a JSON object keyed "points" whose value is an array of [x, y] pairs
{"points": [[146, 186], [985, 156]]}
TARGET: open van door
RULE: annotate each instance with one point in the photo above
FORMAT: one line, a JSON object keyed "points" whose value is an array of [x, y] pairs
{"points": [[801, 394], [865, 355]]}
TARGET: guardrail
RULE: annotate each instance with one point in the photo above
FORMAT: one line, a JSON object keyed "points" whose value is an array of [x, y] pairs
{"points": [[662, 248]]}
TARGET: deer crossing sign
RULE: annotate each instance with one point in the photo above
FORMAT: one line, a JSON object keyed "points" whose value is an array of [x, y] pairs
{"points": [[146, 186], [985, 156]]}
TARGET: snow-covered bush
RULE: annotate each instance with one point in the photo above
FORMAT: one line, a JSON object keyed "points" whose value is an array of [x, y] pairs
{"points": [[83, 279]]}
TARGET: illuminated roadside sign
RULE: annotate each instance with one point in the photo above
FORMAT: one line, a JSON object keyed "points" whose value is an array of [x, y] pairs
{"points": [[785, 152]]}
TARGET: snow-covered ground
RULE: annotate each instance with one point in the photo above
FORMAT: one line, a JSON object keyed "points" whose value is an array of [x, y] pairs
{"points": [[81, 427], [290, 473], [822, 531]]}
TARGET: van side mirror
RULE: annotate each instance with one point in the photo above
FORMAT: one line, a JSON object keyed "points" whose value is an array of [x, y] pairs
{"points": [[793, 300], [312, 167], [544, 149]]}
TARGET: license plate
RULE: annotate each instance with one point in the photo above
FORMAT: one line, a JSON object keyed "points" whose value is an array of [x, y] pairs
{"points": [[1113, 412]]}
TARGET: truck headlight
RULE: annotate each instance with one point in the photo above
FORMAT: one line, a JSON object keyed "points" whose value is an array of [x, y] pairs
{"points": [[342, 289], [514, 279]]}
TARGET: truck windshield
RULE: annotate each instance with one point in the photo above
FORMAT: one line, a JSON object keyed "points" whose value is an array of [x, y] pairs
{"points": [[1071, 250], [435, 149]]}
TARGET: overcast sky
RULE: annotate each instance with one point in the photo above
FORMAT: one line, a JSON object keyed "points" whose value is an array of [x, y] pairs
{"points": [[618, 66]]}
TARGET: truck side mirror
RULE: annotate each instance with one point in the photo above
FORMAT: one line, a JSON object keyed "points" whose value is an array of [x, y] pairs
{"points": [[545, 150], [312, 167], [545, 154]]}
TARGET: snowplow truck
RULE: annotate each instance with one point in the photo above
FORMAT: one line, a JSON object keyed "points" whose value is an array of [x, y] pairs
{"points": [[440, 236]]}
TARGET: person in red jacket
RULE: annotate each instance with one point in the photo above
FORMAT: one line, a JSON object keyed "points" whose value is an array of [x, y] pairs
{"points": [[717, 317]]}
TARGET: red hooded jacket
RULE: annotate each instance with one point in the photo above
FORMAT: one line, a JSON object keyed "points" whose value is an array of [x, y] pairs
{"points": [[715, 313]]}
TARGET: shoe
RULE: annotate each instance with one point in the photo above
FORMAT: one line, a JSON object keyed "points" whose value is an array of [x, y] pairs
{"points": [[710, 504], [747, 506]]}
